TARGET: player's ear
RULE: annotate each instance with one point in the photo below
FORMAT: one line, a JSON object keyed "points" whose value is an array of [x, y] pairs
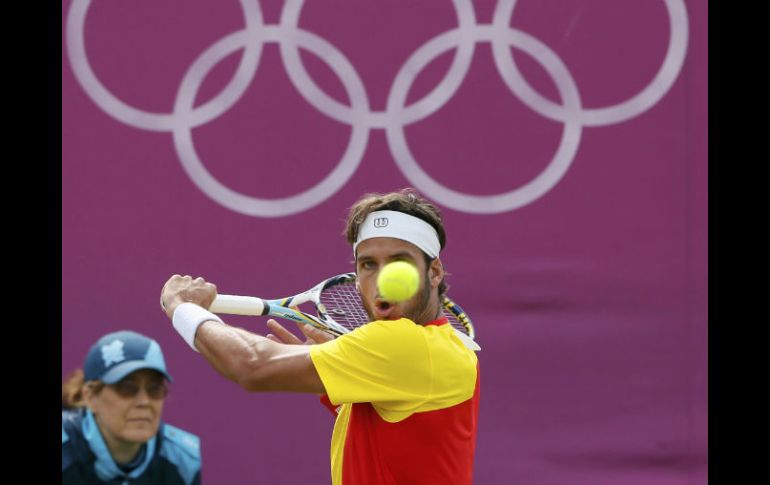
{"points": [[436, 272]]}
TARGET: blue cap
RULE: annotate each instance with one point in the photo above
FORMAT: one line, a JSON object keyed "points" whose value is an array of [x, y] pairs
{"points": [[118, 354]]}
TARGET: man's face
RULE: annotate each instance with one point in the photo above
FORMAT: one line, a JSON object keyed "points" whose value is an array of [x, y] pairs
{"points": [[372, 255]]}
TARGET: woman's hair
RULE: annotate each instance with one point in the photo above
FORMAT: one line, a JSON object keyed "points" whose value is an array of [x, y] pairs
{"points": [[406, 201], [72, 390]]}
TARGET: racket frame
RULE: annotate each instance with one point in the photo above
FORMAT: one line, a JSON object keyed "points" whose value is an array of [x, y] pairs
{"points": [[282, 307]]}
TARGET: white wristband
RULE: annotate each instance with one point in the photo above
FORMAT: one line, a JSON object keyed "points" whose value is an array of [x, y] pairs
{"points": [[188, 317]]}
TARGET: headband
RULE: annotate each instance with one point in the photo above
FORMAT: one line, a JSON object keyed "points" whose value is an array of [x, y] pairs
{"points": [[402, 226]]}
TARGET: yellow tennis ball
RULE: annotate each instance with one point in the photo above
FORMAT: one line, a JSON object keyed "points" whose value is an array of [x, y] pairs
{"points": [[398, 281]]}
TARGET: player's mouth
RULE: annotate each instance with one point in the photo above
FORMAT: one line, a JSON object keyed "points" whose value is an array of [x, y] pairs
{"points": [[385, 310]]}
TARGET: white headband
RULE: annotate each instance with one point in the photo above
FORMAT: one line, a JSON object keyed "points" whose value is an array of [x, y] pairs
{"points": [[399, 226]]}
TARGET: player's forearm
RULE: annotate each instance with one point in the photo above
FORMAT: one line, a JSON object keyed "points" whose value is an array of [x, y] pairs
{"points": [[256, 363], [234, 353]]}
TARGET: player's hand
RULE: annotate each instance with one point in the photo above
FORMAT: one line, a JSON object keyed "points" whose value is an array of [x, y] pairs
{"points": [[181, 289], [283, 336]]}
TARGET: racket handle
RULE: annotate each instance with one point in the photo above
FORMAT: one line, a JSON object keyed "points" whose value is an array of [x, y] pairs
{"points": [[238, 305]]}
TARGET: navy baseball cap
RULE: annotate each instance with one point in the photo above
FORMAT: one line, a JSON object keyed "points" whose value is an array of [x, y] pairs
{"points": [[118, 354]]}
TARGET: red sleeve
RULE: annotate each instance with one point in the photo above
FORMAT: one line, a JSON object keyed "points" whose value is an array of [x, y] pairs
{"points": [[326, 402]]}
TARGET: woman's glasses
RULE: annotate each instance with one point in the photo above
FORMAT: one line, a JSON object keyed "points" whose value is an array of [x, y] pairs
{"points": [[129, 388]]}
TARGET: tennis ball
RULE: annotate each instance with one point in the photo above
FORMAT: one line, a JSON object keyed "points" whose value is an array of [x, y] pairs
{"points": [[398, 281]]}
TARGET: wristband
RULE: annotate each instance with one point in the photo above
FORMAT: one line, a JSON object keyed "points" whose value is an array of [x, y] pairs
{"points": [[188, 317]]}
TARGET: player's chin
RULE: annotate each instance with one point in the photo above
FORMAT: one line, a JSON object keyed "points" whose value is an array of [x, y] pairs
{"points": [[412, 309]]}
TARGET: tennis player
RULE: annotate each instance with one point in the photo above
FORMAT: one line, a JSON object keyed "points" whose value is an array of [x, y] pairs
{"points": [[404, 388]]}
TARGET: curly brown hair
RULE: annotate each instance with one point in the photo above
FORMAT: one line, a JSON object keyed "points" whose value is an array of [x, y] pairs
{"points": [[405, 200], [72, 390]]}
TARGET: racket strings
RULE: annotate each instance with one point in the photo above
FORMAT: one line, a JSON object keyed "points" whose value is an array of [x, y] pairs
{"points": [[457, 317], [342, 303]]}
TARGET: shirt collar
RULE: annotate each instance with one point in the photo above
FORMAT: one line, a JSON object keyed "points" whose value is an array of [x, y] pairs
{"points": [[438, 322]]}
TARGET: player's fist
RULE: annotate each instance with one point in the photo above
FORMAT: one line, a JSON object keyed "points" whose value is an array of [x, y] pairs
{"points": [[181, 289]]}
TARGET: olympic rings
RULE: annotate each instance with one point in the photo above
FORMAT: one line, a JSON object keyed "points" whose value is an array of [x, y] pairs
{"points": [[290, 37]]}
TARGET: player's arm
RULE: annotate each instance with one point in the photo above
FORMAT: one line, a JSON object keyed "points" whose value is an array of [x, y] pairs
{"points": [[255, 362]]}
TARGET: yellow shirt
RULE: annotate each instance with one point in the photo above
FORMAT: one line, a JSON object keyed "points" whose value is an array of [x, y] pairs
{"points": [[391, 378]]}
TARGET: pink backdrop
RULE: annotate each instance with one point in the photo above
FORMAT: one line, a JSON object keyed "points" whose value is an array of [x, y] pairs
{"points": [[573, 184]]}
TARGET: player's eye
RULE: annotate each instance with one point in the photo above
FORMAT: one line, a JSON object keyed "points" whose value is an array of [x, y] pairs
{"points": [[367, 265]]}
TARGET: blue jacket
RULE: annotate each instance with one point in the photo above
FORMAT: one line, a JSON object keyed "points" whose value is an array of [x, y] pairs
{"points": [[172, 457]]}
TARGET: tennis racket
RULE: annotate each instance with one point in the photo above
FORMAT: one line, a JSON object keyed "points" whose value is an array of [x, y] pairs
{"points": [[338, 308]]}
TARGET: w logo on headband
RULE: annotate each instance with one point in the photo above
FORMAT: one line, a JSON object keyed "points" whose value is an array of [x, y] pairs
{"points": [[381, 222]]}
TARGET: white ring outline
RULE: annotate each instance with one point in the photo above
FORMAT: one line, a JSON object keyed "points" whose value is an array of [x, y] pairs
{"points": [[487, 204], [147, 120], [420, 109], [358, 115], [255, 206], [622, 111]]}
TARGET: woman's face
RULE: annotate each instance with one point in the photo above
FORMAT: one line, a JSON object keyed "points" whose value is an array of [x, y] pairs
{"points": [[129, 411]]}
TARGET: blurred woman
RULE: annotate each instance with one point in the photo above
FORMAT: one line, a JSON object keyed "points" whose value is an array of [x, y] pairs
{"points": [[112, 431]]}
